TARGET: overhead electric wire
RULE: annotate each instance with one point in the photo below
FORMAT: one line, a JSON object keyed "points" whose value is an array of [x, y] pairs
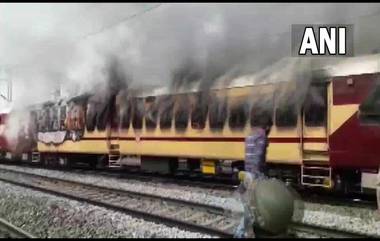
{"points": [[105, 28]]}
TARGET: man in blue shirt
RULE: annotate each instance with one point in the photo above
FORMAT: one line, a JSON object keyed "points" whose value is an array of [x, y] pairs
{"points": [[255, 169], [255, 149]]}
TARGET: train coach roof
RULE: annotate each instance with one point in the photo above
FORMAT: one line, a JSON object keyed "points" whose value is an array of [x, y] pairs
{"points": [[335, 67], [287, 68], [79, 98]]}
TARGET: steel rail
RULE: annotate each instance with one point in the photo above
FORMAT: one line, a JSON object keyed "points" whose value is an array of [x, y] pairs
{"points": [[9, 230], [131, 211], [198, 181], [295, 227]]}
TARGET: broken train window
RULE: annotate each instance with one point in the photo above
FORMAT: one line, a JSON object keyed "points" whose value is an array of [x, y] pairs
{"points": [[126, 113], [217, 112], [199, 111], [369, 109], [315, 107], [138, 113], [62, 117], [151, 112], [90, 115], [238, 115], [262, 112], [286, 115], [166, 112], [54, 119], [181, 116]]}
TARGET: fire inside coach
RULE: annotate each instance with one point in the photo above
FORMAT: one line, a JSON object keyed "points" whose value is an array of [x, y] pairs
{"points": [[328, 141]]}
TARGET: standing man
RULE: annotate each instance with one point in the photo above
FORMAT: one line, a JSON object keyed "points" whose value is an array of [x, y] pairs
{"points": [[256, 148], [255, 170], [268, 208]]}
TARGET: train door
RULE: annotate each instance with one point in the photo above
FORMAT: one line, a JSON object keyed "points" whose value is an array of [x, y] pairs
{"points": [[113, 131], [315, 170]]}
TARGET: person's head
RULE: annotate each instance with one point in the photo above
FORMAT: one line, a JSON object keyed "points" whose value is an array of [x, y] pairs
{"points": [[272, 204]]}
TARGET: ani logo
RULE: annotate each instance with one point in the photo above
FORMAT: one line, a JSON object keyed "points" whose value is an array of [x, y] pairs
{"points": [[317, 40]]}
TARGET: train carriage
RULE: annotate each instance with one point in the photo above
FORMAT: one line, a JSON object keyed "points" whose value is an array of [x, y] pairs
{"points": [[328, 139], [3, 139]]}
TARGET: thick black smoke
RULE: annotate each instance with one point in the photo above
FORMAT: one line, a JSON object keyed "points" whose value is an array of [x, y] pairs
{"points": [[216, 42]]}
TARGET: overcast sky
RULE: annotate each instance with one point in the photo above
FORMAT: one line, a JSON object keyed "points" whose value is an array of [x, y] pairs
{"points": [[45, 44]]}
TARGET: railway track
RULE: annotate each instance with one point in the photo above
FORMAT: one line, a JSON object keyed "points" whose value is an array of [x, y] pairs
{"points": [[8, 230], [357, 201], [200, 182], [172, 212], [181, 180], [325, 232]]}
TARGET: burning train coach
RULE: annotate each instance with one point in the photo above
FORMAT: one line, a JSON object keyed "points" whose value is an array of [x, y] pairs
{"points": [[330, 140]]}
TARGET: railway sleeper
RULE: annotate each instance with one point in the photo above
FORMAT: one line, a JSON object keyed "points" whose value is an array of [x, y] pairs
{"points": [[213, 221], [180, 213], [194, 216]]}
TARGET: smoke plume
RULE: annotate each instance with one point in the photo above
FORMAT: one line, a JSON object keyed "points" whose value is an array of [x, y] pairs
{"points": [[173, 45]]}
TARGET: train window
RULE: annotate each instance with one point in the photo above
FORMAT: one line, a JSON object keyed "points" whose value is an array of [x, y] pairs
{"points": [[125, 114], [217, 113], [115, 117], [166, 113], [261, 113], [47, 119], [54, 119], [286, 115], [39, 120], [33, 127], [151, 112], [90, 117], [103, 114], [199, 112], [238, 116], [138, 113], [315, 107], [369, 110], [77, 117], [62, 117], [181, 116]]}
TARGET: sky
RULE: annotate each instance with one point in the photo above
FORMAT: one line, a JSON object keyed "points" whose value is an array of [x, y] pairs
{"points": [[45, 45]]}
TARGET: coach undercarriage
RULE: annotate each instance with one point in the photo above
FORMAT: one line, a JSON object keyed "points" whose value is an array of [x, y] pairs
{"points": [[340, 181]]}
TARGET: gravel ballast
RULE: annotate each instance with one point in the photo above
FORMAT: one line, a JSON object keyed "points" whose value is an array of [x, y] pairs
{"points": [[47, 216], [360, 220], [354, 219], [166, 190]]}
